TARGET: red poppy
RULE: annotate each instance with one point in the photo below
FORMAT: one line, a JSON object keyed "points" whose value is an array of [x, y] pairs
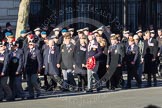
{"points": [[91, 63]]}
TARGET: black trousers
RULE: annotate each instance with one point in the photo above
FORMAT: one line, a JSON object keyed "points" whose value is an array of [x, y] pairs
{"points": [[149, 78], [5, 90], [132, 72], [116, 77], [15, 84], [82, 81]]}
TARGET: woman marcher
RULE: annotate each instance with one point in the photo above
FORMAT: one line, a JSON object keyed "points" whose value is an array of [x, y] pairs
{"points": [[103, 58], [93, 57], [80, 63]]}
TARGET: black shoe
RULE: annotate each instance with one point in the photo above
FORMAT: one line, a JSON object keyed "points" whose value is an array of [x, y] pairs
{"points": [[65, 90], [10, 100], [22, 97], [112, 88], [30, 97], [79, 89], [128, 87], [38, 95], [89, 91], [139, 85], [98, 89], [155, 84]]}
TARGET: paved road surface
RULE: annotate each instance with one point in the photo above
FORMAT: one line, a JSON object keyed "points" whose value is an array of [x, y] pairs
{"points": [[133, 98]]}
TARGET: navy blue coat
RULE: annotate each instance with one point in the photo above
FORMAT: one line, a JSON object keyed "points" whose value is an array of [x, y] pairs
{"points": [[80, 58], [33, 61], [96, 52], [51, 59], [4, 59], [14, 62]]}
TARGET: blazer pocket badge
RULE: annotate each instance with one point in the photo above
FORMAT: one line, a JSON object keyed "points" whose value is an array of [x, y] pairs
{"points": [[116, 51]]}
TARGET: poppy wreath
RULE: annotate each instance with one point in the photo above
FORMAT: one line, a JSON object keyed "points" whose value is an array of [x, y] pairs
{"points": [[91, 63]]}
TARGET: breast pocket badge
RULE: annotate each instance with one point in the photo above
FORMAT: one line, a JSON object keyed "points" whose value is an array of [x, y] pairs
{"points": [[69, 50], [15, 60], [116, 51], [33, 55], [52, 52]]}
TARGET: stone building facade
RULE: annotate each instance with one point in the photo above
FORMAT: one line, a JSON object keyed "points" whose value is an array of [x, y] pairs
{"points": [[9, 12]]}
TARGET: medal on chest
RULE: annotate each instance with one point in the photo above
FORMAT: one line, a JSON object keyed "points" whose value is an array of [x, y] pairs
{"points": [[33, 55], [14, 60], [52, 51], [69, 50]]}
